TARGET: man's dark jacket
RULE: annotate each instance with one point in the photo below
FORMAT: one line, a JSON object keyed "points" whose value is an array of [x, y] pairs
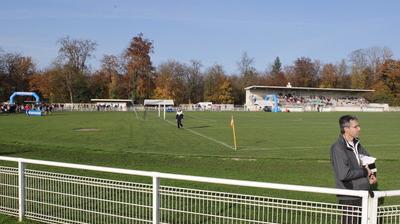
{"points": [[348, 173]]}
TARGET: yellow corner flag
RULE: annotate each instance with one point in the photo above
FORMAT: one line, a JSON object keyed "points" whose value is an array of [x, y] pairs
{"points": [[234, 132]]}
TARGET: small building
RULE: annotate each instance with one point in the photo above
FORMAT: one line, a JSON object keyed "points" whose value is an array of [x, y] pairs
{"points": [[112, 104]]}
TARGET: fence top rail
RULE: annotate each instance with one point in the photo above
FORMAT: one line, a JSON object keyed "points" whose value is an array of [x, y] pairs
{"points": [[391, 193], [322, 190]]}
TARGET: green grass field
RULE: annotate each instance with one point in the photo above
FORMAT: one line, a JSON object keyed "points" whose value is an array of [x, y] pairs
{"points": [[290, 148], [293, 145]]}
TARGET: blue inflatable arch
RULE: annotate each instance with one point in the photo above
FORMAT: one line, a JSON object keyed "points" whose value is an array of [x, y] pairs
{"points": [[37, 98]]}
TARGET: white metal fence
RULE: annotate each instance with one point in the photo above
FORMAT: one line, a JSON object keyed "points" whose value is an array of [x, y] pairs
{"points": [[52, 197], [385, 213]]}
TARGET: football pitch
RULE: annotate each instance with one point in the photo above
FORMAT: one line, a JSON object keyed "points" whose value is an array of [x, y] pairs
{"points": [[291, 148]]}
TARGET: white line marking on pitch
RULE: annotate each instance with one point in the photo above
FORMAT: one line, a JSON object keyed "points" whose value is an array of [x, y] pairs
{"points": [[204, 136]]}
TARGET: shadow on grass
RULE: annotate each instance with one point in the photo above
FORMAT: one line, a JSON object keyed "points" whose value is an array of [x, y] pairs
{"points": [[196, 127], [5, 219], [6, 150], [59, 113]]}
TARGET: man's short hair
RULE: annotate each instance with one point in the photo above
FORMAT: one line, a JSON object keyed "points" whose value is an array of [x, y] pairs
{"points": [[344, 121]]}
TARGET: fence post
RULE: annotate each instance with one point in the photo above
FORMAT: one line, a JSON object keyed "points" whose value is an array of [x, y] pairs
{"points": [[373, 210], [21, 190], [364, 209], [156, 199]]}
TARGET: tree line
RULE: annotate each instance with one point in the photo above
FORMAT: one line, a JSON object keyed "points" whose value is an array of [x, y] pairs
{"points": [[132, 75]]}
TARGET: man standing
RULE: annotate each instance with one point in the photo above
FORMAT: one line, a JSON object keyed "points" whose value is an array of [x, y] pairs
{"points": [[179, 118], [347, 166]]}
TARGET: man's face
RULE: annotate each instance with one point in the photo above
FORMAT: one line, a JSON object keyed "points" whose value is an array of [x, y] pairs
{"points": [[354, 129]]}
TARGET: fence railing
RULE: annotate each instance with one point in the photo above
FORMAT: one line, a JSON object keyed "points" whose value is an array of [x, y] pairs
{"points": [[53, 197], [385, 213]]}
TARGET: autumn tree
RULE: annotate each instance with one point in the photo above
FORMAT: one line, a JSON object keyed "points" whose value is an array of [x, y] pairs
{"points": [[329, 77], [140, 71], [389, 74], [106, 82], [343, 76], [15, 72], [41, 84], [247, 76], [247, 70], [225, 92], [181, 82], [376, 57], [170, 82], [276, 77], [387, 88], [359, 61], [365, 64], [163, 82], [304, 73], [51, 84], [289, 73], [73, 55], [195, 82], [318, 66], [98, 84], [217, 87], [113, 67], [237, 89]]}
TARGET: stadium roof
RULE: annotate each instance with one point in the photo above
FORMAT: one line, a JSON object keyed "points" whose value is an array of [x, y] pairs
{"points": [[309, 88]]}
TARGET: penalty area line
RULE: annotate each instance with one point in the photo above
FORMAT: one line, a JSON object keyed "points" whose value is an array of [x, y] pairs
{"points": [[204, 136]]}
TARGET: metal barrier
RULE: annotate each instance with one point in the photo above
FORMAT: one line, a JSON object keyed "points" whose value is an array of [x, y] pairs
{"points": [[52, 197], [385, 213]]}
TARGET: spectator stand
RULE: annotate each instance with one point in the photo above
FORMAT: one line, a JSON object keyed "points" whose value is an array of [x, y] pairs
{"points": [[300, 99]]}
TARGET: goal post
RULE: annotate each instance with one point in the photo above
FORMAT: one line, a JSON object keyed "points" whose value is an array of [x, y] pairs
{"points": [[159, 103]]}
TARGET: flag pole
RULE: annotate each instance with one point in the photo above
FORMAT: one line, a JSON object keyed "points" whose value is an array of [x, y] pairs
{"points": [[234, 132]]}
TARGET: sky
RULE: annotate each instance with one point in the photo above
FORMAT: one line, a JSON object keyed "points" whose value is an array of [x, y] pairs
{"points": [[210, 31]]}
